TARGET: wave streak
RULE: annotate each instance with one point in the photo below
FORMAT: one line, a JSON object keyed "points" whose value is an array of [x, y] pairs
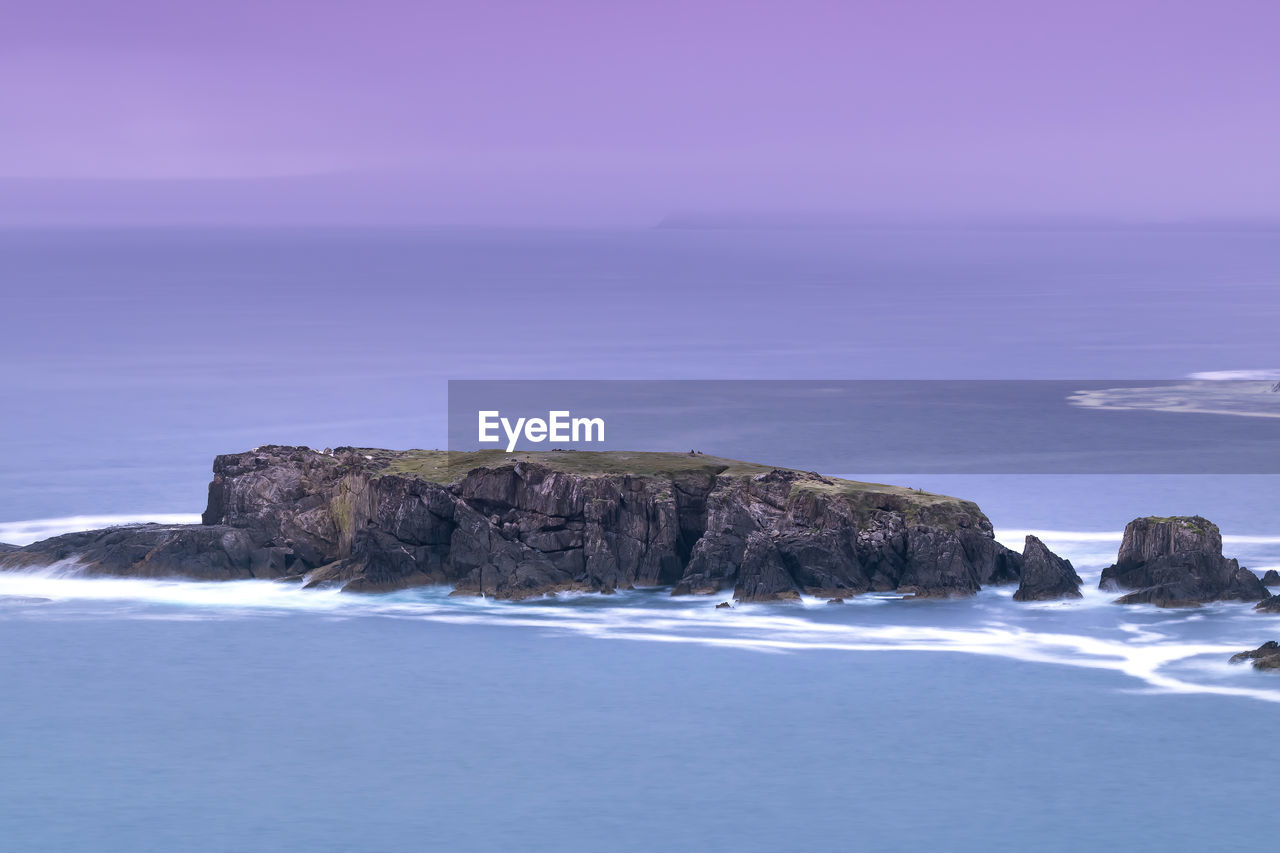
{"points": [[33, 530], [1144, 648]]}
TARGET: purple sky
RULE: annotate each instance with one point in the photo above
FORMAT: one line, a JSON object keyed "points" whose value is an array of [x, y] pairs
{"points": [[552, 112]]}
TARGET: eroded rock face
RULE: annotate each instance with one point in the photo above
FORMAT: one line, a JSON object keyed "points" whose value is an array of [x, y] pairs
{"points": [[1045, 575], [779, 538], [531, 524], [1178, 562]]}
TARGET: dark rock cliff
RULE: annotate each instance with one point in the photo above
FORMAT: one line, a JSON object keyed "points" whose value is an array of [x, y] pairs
{"points": [[1177, 562], [516, 525]]}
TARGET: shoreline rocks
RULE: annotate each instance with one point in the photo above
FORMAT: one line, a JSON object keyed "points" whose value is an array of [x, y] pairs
{"points": [[216, 552], [1177, 562], [1271, 604], [1266, 656]]}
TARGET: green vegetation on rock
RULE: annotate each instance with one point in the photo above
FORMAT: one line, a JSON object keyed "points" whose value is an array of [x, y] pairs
{"points": [[1200, 525], [440, 466]]}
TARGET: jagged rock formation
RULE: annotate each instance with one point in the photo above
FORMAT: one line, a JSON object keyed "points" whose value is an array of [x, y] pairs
{"points": [[1265, 656], [1045, 575], [1271, 578], [1178, 562], [515, 525]]}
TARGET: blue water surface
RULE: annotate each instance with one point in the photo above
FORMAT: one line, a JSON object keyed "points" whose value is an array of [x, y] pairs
{"points": [[308, 732]]}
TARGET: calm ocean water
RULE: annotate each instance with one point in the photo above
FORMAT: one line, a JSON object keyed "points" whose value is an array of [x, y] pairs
{"points": [[128, 359], [153, 715], [144, 715]]}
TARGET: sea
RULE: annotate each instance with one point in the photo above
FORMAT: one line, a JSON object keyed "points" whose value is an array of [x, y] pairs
{"points": [[175, 715]]}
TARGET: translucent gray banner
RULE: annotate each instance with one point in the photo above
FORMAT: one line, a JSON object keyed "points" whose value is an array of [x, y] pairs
{"points": [[889, 426]]}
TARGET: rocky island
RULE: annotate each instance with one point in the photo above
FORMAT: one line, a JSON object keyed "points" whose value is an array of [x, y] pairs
{"points": [[515, 525]]}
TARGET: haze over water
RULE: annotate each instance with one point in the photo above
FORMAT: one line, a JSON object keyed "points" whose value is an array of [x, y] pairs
{"points": [[132, 357]]}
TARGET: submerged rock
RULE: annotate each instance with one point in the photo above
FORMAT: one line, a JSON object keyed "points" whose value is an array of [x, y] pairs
{"points": [[1178, 562], [1265, 656], [1045, 575], [722, 605], [524, 524]]}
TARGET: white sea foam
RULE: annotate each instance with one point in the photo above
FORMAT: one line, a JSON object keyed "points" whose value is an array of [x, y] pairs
{"points": [[64, 582], [1236, 375], [1142, 643], [33, 530], [1219, 396]]}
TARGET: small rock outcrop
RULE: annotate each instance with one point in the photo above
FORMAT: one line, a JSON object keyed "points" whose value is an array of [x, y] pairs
{"points": [[1178, 562], [524, 524], [1045, 575], [1271, 578], [1265, 656], [216, 552], [1270, 604]]}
